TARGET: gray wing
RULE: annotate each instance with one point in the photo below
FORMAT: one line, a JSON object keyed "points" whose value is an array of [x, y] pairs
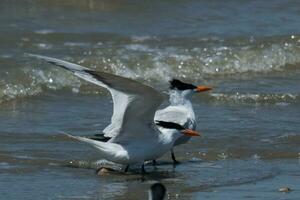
{"points": [[134, 103], [174, 114], [138, 117]]}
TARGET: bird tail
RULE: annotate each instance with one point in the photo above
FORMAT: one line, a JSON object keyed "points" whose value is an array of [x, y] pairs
{"points": [[107, 149], [84, 139]]}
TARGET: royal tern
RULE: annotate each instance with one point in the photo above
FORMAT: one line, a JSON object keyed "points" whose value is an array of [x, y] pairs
{"points": [[136, 139], [180, 110], [139, 145]]}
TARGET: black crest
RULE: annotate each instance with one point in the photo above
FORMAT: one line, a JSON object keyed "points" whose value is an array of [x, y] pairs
{"points": [[179, 85], [169, 125]]}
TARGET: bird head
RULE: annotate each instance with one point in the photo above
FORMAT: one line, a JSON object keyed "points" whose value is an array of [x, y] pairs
{"points": [[157, 191], [187, 89], [178, 127]]}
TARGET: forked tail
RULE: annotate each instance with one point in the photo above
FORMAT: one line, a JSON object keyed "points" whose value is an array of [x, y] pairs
{"points": [[107, 149]]}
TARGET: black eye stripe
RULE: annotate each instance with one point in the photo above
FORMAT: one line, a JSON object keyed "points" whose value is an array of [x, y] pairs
{"points": [[169, 125], [179, 85]]}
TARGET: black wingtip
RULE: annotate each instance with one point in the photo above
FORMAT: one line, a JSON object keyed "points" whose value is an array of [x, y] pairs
{"points": [[27, 54], [30, 55], [169, 125]]}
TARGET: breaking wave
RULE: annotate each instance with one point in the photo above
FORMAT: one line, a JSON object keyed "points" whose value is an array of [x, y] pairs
{"points": [[155, 60], [278, 99]]}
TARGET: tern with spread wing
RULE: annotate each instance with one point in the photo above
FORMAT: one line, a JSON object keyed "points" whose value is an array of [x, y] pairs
{"points": [[179, 111], [137, 138]]}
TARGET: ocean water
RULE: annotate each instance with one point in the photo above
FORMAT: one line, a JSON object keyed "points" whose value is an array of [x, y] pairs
{"points": [[247, 50]]}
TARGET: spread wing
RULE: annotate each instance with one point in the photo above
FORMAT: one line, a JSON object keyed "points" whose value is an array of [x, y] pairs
{"points": [[134, 103], [176, 114]]}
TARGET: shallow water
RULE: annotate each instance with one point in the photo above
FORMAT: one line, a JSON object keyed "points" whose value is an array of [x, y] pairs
{"points": [[250, 121]]}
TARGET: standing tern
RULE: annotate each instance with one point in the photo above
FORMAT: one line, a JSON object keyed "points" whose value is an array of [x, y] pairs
{"points": [[180, 110], [139, 144], [136, 138]]}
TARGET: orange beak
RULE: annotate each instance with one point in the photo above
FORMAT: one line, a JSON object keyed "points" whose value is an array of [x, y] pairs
{"points": [[202, 88], [191, 132]]}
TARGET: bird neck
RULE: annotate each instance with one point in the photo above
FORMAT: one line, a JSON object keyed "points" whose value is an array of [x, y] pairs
{"points": [[169, 136], [178, 98]]}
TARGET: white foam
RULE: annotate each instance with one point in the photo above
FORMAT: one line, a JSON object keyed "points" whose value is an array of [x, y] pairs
{"points": [[44, 31], [77, 44], [5, 165], [277, 99], [44, 46], [141, 38], [139, 47]]}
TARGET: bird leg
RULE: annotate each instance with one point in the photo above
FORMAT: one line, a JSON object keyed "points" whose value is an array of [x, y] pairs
{"points": [[154, 162], [173, 158], [126, 168], [143, 169]]}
